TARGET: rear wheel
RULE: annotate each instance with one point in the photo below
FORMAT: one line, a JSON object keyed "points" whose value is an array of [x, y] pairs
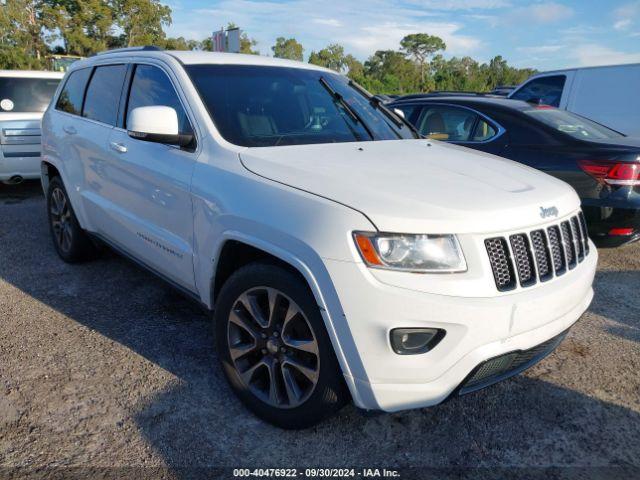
{"points": [[70, 241], [274, 348]]}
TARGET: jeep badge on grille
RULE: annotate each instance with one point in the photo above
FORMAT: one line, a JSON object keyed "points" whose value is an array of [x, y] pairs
{"points": [[548, 212]]}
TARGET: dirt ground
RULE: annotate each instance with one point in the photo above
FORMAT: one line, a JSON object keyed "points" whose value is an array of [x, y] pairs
{"points": [[103, 365]]}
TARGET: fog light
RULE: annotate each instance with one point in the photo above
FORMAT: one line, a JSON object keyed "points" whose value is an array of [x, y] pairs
{"points": [[412, 341]]}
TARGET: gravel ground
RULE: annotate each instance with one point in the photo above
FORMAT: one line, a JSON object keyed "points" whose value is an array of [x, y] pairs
{"points": [[101, 364]]}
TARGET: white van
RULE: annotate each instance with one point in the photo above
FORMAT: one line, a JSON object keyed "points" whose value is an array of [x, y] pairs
{"points": [[24, 96], [608, 95]]}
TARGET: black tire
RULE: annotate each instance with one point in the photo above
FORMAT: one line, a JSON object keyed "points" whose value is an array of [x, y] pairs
{"points": [[70, 241], [328, 394]]}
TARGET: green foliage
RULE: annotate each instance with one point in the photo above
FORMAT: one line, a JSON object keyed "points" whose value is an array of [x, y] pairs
{"points": [[421, 46], [142, 21], [330, 57], [288, 48]]}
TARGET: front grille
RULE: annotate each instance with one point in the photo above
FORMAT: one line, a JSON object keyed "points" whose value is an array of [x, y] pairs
{"points": [[507, 365], [537, 255]]}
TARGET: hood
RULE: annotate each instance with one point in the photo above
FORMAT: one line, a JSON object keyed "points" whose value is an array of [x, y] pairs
{"points": [[418, 186]]}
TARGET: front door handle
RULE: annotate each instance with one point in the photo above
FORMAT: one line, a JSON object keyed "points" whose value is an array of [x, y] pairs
{"points": [[70, 130], [118, 147]]}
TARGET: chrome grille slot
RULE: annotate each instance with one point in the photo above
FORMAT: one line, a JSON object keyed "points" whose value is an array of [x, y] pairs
{"points": [[569, 245], [523, 259], [577, 233], [501, 263], [559, 258], [542, 254], [585, 232]]}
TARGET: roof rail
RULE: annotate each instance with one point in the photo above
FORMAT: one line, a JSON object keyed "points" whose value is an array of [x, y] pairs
{"points": [[146, 48]]}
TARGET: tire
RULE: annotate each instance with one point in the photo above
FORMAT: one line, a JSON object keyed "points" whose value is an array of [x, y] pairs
{"points": [[297, 351], [70, 241]]}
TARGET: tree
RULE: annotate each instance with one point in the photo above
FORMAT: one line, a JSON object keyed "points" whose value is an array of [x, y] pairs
{"points": [[288, 48], [330, 57], [389, 71], [84, 25], [180, 43], [421, 46], [23, 24], [142, 21]]}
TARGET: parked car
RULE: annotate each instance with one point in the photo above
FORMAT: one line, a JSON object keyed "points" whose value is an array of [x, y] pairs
{"points": [[607, 95], [601, 164], [343, 257], [24, 96]]}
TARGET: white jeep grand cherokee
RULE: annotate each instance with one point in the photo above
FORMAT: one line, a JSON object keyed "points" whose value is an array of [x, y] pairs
{"points": [[342, 257]]}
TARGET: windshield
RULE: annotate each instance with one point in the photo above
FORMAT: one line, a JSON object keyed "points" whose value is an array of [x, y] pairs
{"points": [[258, 106], [26, 94], [572, 124]]}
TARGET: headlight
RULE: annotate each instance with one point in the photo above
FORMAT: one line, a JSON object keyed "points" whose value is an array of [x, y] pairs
{"points": [[413, 253]]}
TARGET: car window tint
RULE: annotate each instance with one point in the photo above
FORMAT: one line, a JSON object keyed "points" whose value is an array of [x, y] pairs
{"points": [[446, 123], [483, 132], [70, 99], [572, 124], [103, 94], [544, 90], [26, 94], [151, 87]]}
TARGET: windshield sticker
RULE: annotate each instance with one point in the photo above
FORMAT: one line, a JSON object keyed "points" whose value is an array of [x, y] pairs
{"points": [[6, 105]]}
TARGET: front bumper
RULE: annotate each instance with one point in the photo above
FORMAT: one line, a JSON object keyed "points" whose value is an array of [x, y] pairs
{"points": [[477, 329]]}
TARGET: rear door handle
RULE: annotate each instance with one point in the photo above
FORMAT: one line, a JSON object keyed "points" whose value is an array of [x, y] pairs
{"points": [[118, 147], [70, 130]]}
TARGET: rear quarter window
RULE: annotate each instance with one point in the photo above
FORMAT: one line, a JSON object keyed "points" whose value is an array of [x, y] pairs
{"points": [[70, 99]]}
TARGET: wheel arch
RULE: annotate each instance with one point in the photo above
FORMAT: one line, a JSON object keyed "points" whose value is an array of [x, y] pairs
{"points": [[47, 171], [312, 271]]}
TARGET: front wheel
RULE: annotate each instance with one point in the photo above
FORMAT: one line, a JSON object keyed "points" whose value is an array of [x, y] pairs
{"points": [[274, 348]]}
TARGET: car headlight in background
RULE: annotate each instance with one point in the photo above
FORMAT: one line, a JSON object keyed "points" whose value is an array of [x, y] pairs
{"points": [[414, 253]]}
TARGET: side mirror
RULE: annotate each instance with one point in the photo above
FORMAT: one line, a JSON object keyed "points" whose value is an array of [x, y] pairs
{"points": [[157, 124]]}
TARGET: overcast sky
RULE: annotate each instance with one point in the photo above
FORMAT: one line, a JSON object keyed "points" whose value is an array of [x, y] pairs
{"points": [[543, 35]]}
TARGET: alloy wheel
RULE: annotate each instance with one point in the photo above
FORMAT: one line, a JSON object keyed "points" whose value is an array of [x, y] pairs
{"points": [[61, 219], [273, 347]]}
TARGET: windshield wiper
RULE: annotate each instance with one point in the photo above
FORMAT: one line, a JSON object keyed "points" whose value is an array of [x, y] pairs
{"points": [[376, 103], [347, 108]]}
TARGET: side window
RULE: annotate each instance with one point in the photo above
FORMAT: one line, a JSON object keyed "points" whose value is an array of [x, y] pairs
{"points": [[543, 90], [446, 123], [151, 87], [483, 132], [70, 99], [103, 94]]}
